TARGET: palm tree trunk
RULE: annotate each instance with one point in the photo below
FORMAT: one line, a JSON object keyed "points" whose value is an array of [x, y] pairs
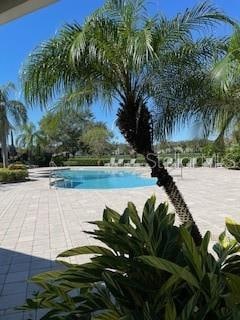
{"points": [[29, 155], [4, 151], [134, 122], [165, 180]]}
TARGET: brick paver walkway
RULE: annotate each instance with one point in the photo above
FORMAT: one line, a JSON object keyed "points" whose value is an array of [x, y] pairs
{"points": [[38, 223]]}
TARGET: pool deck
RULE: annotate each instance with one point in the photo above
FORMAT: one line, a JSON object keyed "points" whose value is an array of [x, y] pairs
{"points": [[37, 222]]}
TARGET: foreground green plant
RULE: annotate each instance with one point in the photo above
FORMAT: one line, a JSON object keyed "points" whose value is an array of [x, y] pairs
{"points": [[146, 269]]}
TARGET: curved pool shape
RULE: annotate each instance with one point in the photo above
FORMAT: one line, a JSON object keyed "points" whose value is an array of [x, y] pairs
{"points": [[101, 179]]}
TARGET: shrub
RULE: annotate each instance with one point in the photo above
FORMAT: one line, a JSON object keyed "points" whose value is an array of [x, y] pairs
{"points": [[17, 166], [59, 160], [185, 161], [16, 175], [141, 161], [42, 159], [232, 158], [147, 269]]}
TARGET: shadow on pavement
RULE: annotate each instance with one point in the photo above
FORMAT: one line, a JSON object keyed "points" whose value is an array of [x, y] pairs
{"points": [[16, 269]]}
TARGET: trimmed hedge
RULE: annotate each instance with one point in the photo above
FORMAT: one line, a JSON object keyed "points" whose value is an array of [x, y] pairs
{"points": [[9, 176], [86, 162], [140, 160], [96, 161]]}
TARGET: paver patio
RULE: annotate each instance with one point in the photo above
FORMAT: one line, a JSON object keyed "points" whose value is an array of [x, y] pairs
{"points": [[37, 223]]}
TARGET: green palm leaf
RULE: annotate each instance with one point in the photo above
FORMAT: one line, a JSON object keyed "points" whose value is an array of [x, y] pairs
{"points": [[172, 268], [86, 250]]}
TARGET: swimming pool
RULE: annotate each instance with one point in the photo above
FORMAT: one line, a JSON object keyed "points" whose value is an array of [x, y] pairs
{"points": [[100, 179]]}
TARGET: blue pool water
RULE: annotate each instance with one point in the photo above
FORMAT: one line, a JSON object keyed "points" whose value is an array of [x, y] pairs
{"points": [[101, 179]]}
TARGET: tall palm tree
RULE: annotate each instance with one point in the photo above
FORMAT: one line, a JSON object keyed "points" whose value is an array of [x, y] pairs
{"points": [[12, 113], [116, 55], [28, 138]]}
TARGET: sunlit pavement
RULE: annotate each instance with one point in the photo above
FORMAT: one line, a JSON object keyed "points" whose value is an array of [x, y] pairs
{"points": [[37, 222]]}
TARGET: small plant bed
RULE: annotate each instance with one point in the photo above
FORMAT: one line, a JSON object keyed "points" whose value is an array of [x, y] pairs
{"points": [[17, 166], [147, 269], [8, 175]]}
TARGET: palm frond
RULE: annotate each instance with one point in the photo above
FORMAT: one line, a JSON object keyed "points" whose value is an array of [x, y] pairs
{"points": [[79, 99], [28, 137], [176, 91], [128, 13], [47, 71], [201, 16], [6, 90], [17, 111], [12, 112], [226, 71], [170, 32]]}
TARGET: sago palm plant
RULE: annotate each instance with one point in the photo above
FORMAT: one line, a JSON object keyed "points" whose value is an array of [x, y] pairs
{"points": [[12, 113], [115, 55]]}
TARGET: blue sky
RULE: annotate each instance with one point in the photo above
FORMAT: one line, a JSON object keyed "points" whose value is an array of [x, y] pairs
{"points": [[20, 37]]}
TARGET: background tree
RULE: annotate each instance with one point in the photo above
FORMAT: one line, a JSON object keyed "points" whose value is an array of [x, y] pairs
{"points": [[123, 149], [236, 134], [97, 139], [64, 129], [12, 114], [29, 138], [117, 54]]}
